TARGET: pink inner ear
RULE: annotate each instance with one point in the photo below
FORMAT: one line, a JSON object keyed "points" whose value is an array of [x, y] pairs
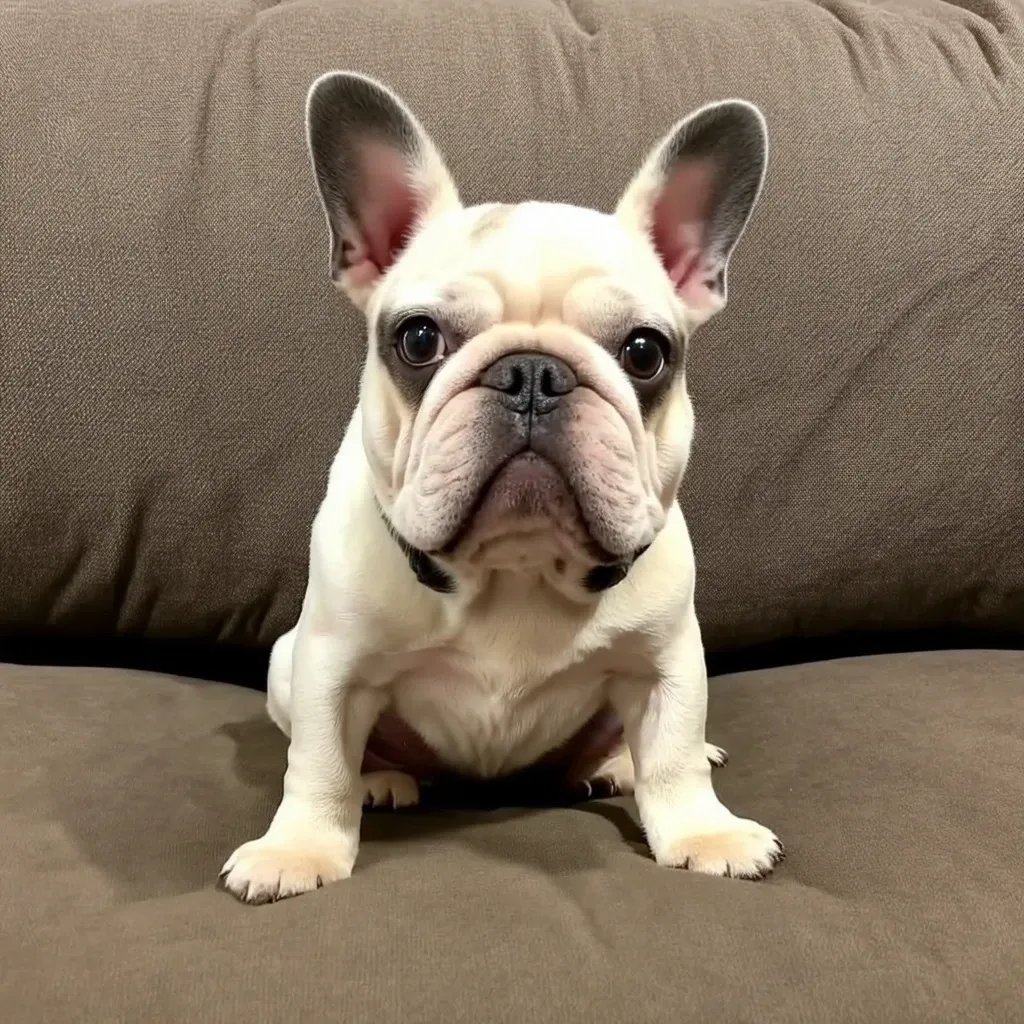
{"points": [[679, 229], [388, 213]]}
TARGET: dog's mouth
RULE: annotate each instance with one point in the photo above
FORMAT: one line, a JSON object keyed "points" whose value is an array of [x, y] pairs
{"points": [[526, 495]]}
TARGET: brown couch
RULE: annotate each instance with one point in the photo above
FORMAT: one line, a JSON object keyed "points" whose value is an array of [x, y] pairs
{"points": [[175, 373]]}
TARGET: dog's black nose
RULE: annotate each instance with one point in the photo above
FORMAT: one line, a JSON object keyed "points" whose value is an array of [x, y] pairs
{"points": [[529, 381]]}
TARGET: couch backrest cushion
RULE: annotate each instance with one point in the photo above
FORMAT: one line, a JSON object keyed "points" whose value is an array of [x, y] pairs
{"points": [[176, 371]]}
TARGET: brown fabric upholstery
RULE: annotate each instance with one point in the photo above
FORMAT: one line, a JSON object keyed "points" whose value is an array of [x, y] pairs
{"points": [[175, 371], [897, 783]]}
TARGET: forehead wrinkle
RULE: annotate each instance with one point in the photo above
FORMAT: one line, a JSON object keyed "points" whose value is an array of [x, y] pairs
{"points": [[465, 309], [606, 311], [558, 280], [599, 301], [608, 326], [539, 253], [519, 294]]}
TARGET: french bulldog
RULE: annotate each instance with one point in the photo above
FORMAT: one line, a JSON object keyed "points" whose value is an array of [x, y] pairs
{"points": [[500, 573]]}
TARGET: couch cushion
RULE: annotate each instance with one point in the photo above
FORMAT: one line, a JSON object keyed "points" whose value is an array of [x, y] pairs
{"points": [[175, 370], [897, 783]]}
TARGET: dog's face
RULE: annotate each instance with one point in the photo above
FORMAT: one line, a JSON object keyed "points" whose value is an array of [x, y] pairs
{"points": [[523, 399]]}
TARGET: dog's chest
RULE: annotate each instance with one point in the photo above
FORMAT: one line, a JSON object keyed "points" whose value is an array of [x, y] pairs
{"points": [[502, 690]]}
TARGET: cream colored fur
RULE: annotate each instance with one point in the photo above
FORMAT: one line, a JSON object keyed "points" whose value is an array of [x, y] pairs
{"points": [[514, 662]]}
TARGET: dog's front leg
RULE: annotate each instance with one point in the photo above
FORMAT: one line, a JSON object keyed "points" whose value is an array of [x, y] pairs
{"points": [[314, 836], [686, 824]]}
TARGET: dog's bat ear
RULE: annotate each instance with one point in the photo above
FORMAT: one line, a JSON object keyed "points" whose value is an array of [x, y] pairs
{"points": [[693, 196], [378, 174]]}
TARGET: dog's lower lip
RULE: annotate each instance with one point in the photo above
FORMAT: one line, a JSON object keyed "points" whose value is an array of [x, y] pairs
{"points": [[595, 551], [481, 497]]}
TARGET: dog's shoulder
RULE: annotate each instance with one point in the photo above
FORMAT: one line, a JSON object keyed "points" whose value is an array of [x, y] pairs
{"points": [[358, 572]]}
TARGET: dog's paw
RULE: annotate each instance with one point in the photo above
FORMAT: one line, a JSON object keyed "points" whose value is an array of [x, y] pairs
{"points": [[734, 847], [390, 789], [269, 869], [716, 755], [613, 777]]}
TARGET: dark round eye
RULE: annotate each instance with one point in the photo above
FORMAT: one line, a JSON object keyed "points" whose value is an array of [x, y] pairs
{"points": [[420, 342], [643, 354]]}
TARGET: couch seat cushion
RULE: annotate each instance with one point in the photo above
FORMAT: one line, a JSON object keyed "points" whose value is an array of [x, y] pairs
{"points": [[897, 783]]}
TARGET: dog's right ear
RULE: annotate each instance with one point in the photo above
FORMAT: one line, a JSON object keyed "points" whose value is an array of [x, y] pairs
{"points": [[379, 176]]}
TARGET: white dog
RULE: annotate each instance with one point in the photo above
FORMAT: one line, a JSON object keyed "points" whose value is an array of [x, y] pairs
{"points": [[500, 573]]}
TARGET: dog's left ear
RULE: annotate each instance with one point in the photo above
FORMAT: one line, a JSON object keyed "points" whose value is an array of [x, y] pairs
{"points": [[693, 197], [379, 176]]}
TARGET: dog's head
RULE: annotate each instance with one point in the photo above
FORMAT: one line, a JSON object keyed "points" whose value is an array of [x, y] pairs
{"points": [[523, 400]]}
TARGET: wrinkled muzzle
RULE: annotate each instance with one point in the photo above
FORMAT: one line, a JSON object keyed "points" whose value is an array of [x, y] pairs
{"points": [[530, 444]]}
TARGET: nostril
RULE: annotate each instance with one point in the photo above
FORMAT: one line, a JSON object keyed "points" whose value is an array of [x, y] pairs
{"points": [[555, 379], [506, 375]]}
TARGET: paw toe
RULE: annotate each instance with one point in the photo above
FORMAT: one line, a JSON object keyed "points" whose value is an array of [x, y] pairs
{"points": [[390, 789], [264, 871], [600, 788], [716, 755], [738, 849]]}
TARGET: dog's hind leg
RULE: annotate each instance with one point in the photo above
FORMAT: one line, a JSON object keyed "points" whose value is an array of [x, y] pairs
{"points": [[614, 775], [390, 789], [279, 683]]}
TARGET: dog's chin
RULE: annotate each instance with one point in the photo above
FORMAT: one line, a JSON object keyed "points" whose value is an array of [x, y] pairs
{"points": [[525, 515]]}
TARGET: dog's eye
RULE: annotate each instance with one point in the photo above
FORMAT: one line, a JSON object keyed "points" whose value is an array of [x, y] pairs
{"points": [[643, 354], [420, 342]]}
